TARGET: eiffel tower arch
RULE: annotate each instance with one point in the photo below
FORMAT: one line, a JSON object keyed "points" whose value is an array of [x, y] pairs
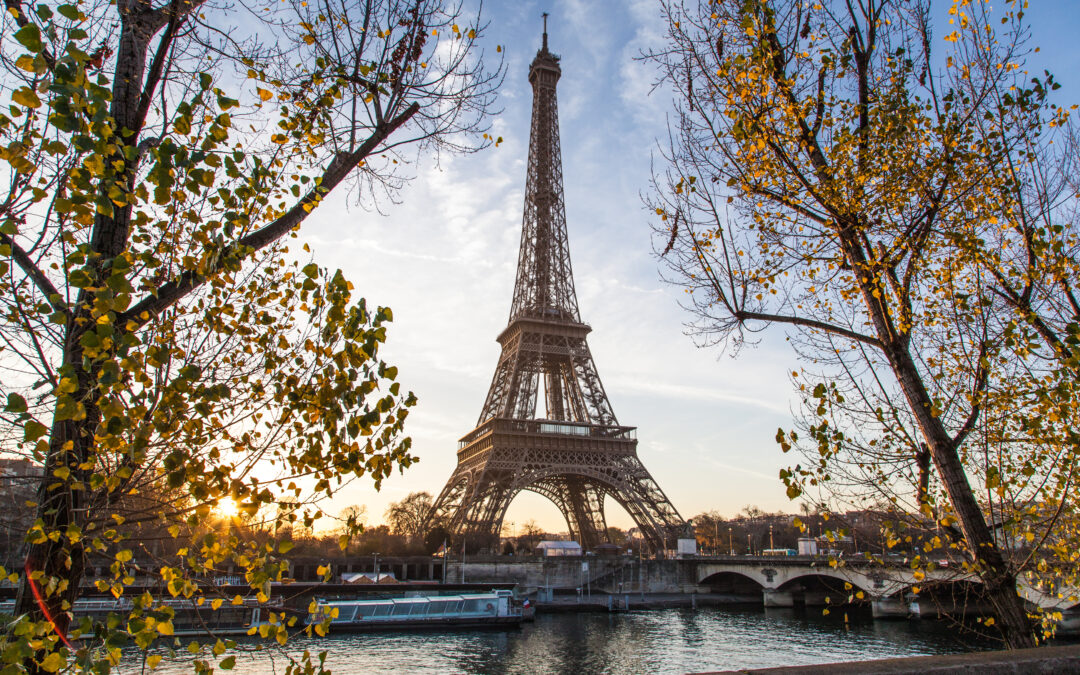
{"points": [[577, 455]]}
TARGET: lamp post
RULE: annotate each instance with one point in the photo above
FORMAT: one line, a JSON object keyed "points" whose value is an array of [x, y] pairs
{"points": [[749, 546], [771, 545], [716, 536], [730, 543], [375, 567]]}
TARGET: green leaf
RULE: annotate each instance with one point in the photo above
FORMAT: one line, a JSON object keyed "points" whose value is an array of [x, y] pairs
{"points": [[69, 12], [15, 404], [224, 102], [68, 408], [205, 80], [228, 663], [311, 270], [34, 430], [29, 36], [190, 372]]}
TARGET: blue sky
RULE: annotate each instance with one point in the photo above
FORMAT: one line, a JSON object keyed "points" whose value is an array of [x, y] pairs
{"points": [[444, 260]]}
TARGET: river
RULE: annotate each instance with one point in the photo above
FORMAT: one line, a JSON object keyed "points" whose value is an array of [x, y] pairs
{"points": [[647, 641]]}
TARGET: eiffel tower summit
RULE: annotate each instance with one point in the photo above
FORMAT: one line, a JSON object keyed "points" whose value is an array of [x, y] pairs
{"points": [[577, 454]]}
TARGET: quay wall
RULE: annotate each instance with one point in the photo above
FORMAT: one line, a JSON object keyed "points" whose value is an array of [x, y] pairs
{"points": [[1037, 661], [602, 574]]}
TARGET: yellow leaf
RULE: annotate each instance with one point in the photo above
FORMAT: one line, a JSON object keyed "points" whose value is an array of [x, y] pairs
{"points": [[165, 628], [26, 96], [153, 660], [264, 94], [52, 663]]}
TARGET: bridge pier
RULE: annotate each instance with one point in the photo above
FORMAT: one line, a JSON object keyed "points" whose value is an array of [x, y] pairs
{"points": [[890, 608], [774, 598], [817, 598]]}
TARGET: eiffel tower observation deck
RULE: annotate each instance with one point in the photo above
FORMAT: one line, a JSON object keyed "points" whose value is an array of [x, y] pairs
{"points": [[577, 454]]}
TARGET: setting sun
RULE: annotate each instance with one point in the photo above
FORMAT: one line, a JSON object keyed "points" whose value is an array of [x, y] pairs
{"points": [[227, 508]]}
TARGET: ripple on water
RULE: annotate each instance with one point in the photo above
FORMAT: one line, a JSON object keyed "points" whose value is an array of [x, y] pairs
{"points": [[659, 641]]}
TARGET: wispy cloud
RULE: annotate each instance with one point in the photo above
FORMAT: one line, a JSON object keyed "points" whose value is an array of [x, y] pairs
{"points": [[444, 259]]}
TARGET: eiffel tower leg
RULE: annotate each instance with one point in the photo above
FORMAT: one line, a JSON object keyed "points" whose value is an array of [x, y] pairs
{"points": [[447, 510], [582, 504], [486, 505], [587, 502], [637, 492]]}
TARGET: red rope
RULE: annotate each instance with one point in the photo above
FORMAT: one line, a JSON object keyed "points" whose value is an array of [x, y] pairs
{"points": [[40, 599]]}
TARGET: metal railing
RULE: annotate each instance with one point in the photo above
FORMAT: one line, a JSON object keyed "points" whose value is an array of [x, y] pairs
{"points": [[554, 427]]}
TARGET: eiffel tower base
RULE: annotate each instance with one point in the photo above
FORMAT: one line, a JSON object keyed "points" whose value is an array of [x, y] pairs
{"points": [[576, 466]]}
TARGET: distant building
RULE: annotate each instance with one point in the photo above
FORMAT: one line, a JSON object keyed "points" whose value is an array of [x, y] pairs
{"points": [[20, 467], [368, 578], [808, 546], [19, 481], [554, 548]]}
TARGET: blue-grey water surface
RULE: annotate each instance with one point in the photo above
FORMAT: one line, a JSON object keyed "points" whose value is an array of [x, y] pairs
{"points": [[656, 641]]}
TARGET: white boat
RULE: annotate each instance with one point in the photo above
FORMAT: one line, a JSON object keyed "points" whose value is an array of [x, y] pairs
{"points": [[189, 618], [467, 610]]}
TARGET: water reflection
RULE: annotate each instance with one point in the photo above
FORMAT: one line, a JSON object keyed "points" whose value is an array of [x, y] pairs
{"points": [[661, 641]]}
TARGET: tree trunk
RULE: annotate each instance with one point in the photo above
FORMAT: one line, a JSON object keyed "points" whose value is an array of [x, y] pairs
{"points": [[62, 502], [999, 580]]}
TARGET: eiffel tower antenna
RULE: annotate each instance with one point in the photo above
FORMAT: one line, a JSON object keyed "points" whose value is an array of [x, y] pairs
{"points": [[577, 454]]}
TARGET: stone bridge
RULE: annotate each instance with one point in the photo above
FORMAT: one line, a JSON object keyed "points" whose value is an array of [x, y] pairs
{"points": [[775, 581]]}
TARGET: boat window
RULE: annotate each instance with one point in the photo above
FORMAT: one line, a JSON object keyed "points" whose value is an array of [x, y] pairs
{"points": [[471, 606]]}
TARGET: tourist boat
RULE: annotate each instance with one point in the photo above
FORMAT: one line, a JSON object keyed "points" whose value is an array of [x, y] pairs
{"points": [[189, 618], [467, 610]]}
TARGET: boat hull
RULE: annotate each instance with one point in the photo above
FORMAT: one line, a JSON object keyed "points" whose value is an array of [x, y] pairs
{"points": [[462, 623]]}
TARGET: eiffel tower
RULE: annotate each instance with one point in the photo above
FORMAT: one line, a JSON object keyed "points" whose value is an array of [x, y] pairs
{"points": [[578, 454]]}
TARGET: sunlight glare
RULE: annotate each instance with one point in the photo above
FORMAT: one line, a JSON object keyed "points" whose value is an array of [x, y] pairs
{"points": [[227, 508]]}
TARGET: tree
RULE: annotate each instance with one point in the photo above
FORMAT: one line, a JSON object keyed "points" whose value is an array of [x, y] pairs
{"points": [[616, 535], [436, 539], [530, 534], [406, 517], [162, 350], [831, 172], [352, 524]]}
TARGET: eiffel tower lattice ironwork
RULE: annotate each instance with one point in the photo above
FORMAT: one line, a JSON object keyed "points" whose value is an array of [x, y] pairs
{"points": [[577, 455]]}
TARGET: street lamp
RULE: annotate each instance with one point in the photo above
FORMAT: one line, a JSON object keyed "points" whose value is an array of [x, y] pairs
{"points": [[771, 545], [375, 567], [749, 546], [730, 543]]}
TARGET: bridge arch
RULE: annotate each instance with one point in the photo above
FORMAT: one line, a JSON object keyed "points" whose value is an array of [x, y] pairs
{"points": [[736, 586], [817, 589], [834, 583]]}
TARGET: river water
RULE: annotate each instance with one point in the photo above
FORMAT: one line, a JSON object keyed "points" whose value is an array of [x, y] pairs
{"points": [[647, 641]]}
